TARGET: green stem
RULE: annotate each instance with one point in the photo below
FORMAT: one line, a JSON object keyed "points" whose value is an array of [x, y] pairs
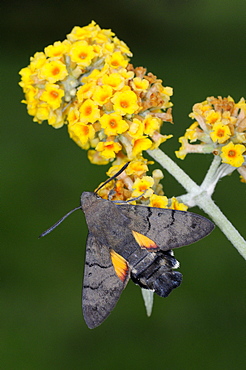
{"points": [[209, 178], [200, 197], [207, 205]]}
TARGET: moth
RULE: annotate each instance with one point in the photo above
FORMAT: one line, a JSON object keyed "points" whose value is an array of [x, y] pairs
{"points": [[134, 242]]}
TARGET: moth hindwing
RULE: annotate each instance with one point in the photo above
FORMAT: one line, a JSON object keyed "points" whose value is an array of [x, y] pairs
{"points": [[128, 241]]}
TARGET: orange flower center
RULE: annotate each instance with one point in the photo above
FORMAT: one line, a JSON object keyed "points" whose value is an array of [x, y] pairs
{"points": [[104, 97], [142, 187], [112, 123], [220, 133], [82, 55], [55, 71], [85, 130], [124, 104], [88, 111], [115, 63], [54, 94], [231, 153]]}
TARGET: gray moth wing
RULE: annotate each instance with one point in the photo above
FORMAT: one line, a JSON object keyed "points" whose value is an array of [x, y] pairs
{"points": [[101, 286], [168, 228]]}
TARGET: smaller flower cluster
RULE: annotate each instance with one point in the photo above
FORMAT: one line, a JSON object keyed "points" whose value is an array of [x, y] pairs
{"points": [[86, 81], [134, 184], [220, 128]]}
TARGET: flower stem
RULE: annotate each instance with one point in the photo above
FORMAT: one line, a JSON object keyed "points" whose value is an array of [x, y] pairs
{"points": [[201, 198], [210, 176], [205, 202]]}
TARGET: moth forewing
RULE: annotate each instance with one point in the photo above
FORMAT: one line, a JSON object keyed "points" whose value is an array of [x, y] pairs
{"points": [[168, 228], [101, 286]]}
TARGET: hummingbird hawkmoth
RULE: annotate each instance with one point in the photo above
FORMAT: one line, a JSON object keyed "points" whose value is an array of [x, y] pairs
{"points": [[134, 242]]}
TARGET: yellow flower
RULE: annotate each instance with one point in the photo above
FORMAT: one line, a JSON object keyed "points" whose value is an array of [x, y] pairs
{"points": [[142, 186], [31, 94], [233, 154], [42, 112], [86, 79], [167, 90], [81, 133], [137, 167], [158, 139], [115, 80], [220, 133], [125, 102], [37, 61], [53, 71], [122, 46], [52, 95], [140, 84], [241, 104], [175, 204], [95, 158], [151, 124], [212, 117], [102, 94], [115, 168], [55, 118], [108, 149], [26, 78], [89, 111], [82, 33], [181, 153], [113, 124], [191, 133], [82, 53], [200, 108], [117, 60], [143, 143], [85, 91], [136, 128], [58, 49], [127, 75], [158, 201], [73, 115]]}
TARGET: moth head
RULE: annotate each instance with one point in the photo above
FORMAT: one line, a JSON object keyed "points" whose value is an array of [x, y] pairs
{"points": [[88, 199]]}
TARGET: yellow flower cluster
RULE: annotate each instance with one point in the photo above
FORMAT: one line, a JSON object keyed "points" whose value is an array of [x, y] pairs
{"points": [[133, 183], [220, 128], [111, 109]]}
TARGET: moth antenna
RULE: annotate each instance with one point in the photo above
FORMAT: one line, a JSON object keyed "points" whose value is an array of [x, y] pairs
{"points": [[113, 177], [129, 200], [58, 222]]}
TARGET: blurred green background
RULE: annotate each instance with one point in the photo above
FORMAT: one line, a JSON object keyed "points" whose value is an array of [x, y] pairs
{"points": [[198, 48]]}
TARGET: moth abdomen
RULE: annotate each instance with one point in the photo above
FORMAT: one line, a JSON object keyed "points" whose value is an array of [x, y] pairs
{"points": [[165, 283], [155, 272]]}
